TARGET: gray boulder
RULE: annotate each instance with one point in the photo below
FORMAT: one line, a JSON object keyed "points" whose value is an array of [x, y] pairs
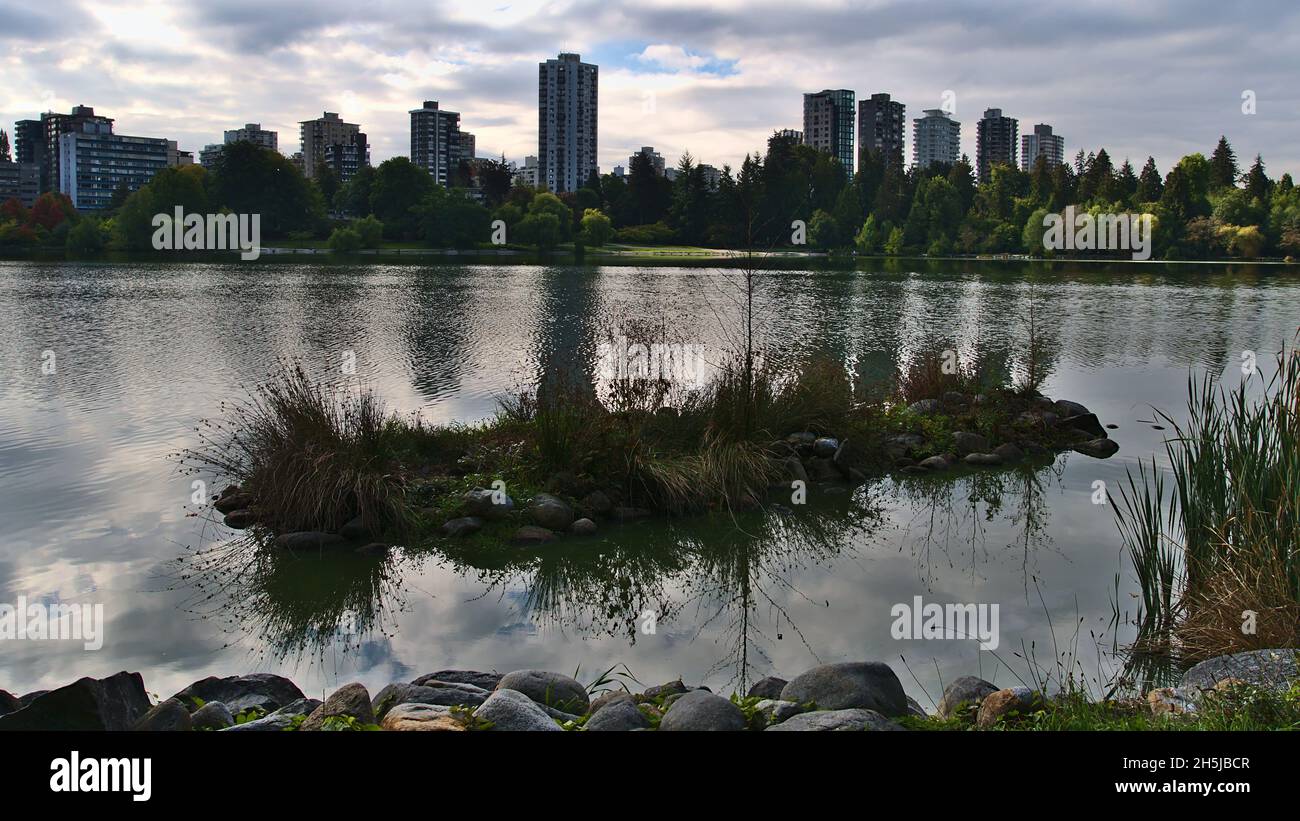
{"points": [[512, 711], [484, 504], [114, 703], [462, 526], [597, 503], [552, 689], [701, 710], [583, 527], [356, 530], [1274, 669], [233, 499], [1086, 422], [774, 710], [675, 687], [618, 715], [925, 407], [240, 519], [769, 688], [983, 459], [166, 716], [1065, 407], [308, 540], [1097, 448], [935, 463], [264, 691], [870, 685], [550, 512], [350, 700], [486, 681], [825, 447], [967, 690], [965, 443], [212, 716], [445, 694], [532, 535], [1008, 452], [852, 720]]}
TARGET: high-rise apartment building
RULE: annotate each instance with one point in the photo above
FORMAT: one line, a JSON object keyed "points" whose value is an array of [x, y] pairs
{"points": [[567, 104], [436, 141], [255, 134], [329, 141], [828, 124], [936, 137], [1042, 143], [209, 154], [53, 127], [656, 159], [996, 138], [527, 173], [880, 128], [468, 146], [177, 157], [94, 162], [20, 181], [29, 145]]}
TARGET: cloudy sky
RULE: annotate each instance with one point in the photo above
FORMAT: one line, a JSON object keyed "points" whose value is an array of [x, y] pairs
{"points": [[714, 77]]}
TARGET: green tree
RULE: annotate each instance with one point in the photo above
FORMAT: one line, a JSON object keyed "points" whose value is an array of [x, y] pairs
{"points": [[370, 230], [823, 230], [85, 238], [353, 199], [399, 186], [1150, 186], [249, 179], [596, 228], [868, 238], [1223, 171], [344, 241]]}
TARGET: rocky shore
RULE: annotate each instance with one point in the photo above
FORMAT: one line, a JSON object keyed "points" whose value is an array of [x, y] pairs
{"points": [[863, 695], [939, 438]]}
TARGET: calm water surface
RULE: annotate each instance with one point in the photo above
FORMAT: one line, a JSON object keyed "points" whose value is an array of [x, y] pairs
{"points": [[96, 512]]}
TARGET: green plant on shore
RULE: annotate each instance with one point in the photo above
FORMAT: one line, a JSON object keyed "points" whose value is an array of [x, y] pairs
{"points": [[1225, 543]]}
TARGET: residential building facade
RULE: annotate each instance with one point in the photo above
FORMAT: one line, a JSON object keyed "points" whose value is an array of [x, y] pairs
{"points": [[53, 127], [94, 163], [436, 141], [209, 154], [656, 159], [828, 119], [1041, 143], [20, 181], [330, 141], [881, 122], [567, 107], [255, 134], [996, 139], [936, 138]]}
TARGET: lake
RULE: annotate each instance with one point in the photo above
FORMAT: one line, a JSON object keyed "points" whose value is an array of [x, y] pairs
{"points": [[95, 510]]}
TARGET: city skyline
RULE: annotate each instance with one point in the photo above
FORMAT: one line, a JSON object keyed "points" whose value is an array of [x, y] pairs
{"points": [[692, 78]]}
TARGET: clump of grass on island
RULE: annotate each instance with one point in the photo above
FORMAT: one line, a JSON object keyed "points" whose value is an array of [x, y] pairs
{"points": [[1224, 541], [314, 457]]}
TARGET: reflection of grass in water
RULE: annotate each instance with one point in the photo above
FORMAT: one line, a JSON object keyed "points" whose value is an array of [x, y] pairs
{"points": [[292, 606]]}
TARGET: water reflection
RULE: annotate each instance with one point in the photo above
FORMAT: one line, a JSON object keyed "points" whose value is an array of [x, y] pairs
{"points": [[145, 351]]}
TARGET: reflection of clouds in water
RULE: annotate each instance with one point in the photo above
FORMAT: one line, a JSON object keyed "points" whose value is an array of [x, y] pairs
{"points": [[145, 351]]}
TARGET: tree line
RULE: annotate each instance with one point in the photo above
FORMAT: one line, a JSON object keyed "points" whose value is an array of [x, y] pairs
{"points": [[1202, 207]]}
